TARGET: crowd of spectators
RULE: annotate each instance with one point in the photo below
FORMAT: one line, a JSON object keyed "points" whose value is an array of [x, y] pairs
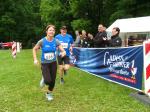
{"points": [[100, 40]]}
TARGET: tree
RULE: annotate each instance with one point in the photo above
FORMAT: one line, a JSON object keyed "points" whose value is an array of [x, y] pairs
{"points": [[81, 24], [18, 20], [130, 8], [95, 11], [55, 12], [24, 20]]}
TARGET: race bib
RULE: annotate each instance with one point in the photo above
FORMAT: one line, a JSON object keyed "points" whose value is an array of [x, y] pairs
{"points": [[49, 56], [64, 45]]}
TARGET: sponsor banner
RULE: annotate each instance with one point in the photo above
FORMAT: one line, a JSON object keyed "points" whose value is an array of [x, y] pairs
{"points": [[120, 65]]}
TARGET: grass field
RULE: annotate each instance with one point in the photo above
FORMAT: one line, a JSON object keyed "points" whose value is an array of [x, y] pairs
{"points": [[20, 91]]}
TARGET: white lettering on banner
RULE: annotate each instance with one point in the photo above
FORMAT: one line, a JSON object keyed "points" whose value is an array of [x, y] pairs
{"points": [[49, 56], [64, 45], [114, 61], [120, 72], [118, 64]]}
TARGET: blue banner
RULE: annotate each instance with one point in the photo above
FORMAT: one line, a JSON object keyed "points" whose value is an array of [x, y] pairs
{"points": [[120, 65]]}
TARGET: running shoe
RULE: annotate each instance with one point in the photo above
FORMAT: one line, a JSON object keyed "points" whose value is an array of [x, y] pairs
{"points": [[62, 81], [49, 96]]}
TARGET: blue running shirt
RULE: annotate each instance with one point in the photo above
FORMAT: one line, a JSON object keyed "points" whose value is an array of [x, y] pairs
{"points": [[48, 50], [66, 42]]}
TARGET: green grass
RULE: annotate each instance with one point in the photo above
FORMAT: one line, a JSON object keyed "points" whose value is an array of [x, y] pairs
{"points": [[20, 91]]}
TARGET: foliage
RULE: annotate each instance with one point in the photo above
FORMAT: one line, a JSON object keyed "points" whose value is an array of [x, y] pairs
{"points": [[81, 24], [25, 20], [55, 12], [19, 20]]}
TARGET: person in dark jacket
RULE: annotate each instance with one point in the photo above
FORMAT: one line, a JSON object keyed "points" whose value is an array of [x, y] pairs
{"points": [[90, 41], [115, 40], [101, 37]]}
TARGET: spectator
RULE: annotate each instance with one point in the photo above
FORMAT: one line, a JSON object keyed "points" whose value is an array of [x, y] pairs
{"points": [[90, 40], [115, 39], [84, 43], [78, 38], [101, 37]]}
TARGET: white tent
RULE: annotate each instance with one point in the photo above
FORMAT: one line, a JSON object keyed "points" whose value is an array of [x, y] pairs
{"points": [[131, 27], [139, 24]]}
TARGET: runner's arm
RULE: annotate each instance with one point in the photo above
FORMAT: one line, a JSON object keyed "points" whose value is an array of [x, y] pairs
{"points": [[63, 52], [35, 49]]}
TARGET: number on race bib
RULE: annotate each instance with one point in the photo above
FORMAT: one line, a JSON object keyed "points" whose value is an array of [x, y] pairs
{"points": [[64, 45], [49, 56]]}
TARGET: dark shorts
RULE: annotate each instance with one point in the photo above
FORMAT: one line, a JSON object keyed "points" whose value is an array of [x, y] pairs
{"points": [[64, 60]]}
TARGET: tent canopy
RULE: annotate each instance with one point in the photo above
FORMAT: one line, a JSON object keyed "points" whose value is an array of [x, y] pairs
{"points": [[139, 24]]}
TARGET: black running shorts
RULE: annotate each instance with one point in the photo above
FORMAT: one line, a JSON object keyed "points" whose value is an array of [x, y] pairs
{"points": [[64, 60]]}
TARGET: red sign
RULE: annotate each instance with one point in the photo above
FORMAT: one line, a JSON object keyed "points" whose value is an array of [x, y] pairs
{"points": [[7, 44]]}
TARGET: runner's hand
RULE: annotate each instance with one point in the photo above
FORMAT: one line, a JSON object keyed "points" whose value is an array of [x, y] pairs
{"points": [[63, 54], [36, 62]]}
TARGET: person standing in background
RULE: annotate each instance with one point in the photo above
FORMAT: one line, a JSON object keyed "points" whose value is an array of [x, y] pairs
{"points": [[90, 41], [85, 39], [78, 38], [115, 40], [101, 37]]}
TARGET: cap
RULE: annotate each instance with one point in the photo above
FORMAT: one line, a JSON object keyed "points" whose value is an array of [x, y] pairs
{"points": [[63, 28]]}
